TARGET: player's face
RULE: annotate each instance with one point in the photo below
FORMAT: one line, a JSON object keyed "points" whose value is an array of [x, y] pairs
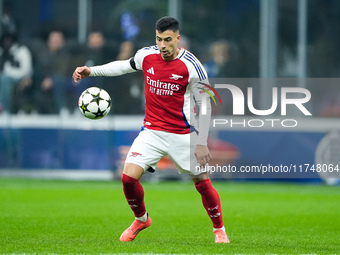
{"points": [[167, 44]]}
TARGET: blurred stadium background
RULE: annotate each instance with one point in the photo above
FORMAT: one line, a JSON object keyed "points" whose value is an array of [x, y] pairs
{"points": [[42, 133]]}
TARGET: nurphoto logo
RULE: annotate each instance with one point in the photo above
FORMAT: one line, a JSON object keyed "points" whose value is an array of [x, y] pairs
{"points": [[295, 96]]}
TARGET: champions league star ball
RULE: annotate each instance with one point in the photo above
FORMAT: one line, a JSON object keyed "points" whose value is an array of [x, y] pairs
{"points": [[94, 103]]}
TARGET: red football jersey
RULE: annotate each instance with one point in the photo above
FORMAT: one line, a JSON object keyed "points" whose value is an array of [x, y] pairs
{"points": [[171, 89]]}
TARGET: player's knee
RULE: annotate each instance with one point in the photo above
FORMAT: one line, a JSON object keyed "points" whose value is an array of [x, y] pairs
{"points": [[133, 170], [198, 178]]}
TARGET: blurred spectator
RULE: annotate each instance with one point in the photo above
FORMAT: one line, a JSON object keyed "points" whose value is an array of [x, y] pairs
{"points": [[224, 61], [53, 72], [219, 52], [15, 69], [8, 23], [97, 50], [184, 42], [126, 51]]}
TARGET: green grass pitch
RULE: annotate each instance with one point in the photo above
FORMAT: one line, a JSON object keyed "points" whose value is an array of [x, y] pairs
{"points": [[87, 217]]}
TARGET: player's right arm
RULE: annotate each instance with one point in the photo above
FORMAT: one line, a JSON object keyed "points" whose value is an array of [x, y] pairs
{"points": [[114, 68]]}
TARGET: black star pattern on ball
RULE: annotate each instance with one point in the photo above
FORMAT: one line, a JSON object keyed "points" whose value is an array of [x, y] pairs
{"points": [[83, 107], [109, 102], [99, 113], [96, 98]]}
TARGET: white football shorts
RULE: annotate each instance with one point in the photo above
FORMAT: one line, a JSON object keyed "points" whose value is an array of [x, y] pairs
{"points": [[151, 145]]}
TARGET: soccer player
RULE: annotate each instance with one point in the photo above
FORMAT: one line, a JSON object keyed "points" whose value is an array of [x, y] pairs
{"points": [[174, 81]]}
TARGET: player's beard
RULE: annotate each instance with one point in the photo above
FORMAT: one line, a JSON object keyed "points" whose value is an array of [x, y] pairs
{"points": [[168, 55]]}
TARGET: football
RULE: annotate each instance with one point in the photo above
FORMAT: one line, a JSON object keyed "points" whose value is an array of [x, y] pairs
{"points": [[94, 103]]}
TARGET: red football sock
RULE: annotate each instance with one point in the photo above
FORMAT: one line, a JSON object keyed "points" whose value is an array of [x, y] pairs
{"points": [[211, 202], [134, 194]]}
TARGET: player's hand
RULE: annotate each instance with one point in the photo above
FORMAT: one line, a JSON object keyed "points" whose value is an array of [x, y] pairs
{"points": [[81, 73], [202, 154]]}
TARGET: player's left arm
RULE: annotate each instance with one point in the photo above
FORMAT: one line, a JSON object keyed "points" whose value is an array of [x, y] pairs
{"points": [[202, 152]]}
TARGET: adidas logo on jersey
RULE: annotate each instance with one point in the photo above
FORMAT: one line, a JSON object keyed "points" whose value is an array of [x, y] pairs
{"points": [[150, 70]]}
